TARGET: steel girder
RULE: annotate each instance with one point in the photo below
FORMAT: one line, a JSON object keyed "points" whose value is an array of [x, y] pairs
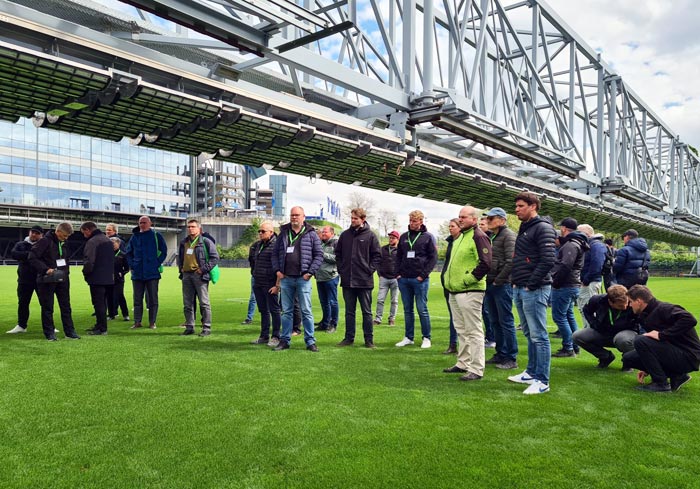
{"points": [[505, 83]]}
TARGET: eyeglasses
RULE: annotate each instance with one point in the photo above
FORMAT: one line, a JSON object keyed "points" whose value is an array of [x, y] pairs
{"points": [[294, 215], [261, 231]]}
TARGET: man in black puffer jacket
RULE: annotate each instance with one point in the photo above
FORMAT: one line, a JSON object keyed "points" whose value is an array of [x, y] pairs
{"points": [[98, 270], [631, 265], [357, 255], [26, 277], [669, 349], [266, 287], [532, 283]]}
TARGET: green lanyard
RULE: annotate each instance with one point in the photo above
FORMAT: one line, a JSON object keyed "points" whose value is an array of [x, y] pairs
{"points": [[117, 253], [291, 241], [611, 316], [60, 249], [194, 243], [411, 243]]}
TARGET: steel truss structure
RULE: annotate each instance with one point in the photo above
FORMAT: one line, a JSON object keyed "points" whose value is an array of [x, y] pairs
{"points": [[456, 101]]}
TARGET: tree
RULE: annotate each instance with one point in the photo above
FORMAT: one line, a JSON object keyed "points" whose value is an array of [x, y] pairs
{"points": [[386, 220], [364, 201]]}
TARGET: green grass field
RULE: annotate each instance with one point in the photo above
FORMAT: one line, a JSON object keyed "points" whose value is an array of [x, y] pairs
{"points": [[154, 409]]}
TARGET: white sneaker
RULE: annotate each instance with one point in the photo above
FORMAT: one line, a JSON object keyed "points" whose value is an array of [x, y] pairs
{"points": [[522, 378], [426, 343], [405, 342], [17, 329], [537, 387], [55, 330]]}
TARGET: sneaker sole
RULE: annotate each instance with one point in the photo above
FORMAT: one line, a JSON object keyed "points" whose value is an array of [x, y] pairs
{"points": [[678, 387]]}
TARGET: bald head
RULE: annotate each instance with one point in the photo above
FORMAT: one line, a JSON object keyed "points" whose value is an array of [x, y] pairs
{"points": [[468, 217]]}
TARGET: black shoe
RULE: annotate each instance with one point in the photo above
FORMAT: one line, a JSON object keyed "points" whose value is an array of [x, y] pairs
{"points": [[187, 332], [604, 362], [75, 336], [247, 321], [451, 350], [371, 345], [495, 360], [656, 387], [627, 370], [51, 338], [564, 353], [259, 341], [471, 376], [205, 332], [331, 329], [312, 347], [321, 327], [282, 346], [555, 334], [91, 329], [345, 342], [679, 381], [453, 370], [97, 332]]}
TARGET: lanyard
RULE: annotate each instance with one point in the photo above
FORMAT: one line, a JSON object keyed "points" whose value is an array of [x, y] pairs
{"points": [[117, 253], [291, 241], [194, 243], [262, 247], [60, 249], [411, 243], [611, 316]]}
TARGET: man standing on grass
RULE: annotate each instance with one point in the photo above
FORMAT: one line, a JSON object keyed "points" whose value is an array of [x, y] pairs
{"points": [[669, 349], [196, 257], [415, 259], [387, 280], [465, 280], [145, 253], [498, 300], [266, 288], [611, 322], [327, 281], [26, 277], [358, 255], [296, 258], [98, 270], [49, 258], [532, 284]]}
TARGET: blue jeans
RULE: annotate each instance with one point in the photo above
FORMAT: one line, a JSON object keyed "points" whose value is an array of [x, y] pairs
{"points": [[563, 301], [411, 289], [252, 301], [498, 301], [532, 310], [301, 289], [453, 331], [328, 297], [489, 333]]}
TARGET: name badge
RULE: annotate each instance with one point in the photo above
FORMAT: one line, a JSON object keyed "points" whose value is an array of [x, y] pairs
{"points": [[290, 249], [190, 251], [60, 262], [411, 254]]}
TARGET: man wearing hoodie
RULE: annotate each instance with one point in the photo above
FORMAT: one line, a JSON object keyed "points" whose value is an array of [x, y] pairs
{"points": [[296, 258], [566, 283], [357, 254], [592, 271], [632, 261]]}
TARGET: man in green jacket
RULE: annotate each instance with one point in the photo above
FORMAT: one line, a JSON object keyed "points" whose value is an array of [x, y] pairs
{"points": [[465, 281]]}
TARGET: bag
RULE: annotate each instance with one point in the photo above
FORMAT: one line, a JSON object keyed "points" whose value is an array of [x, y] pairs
{"points": [[214, 273], [56, 277], [642, 276]]}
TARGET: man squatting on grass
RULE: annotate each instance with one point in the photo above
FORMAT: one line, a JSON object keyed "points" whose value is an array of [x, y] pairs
{"points": [[669, 349]]}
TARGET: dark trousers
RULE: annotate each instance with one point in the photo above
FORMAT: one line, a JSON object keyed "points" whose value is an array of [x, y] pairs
{"points": [[46, 292], [660, 359], [351, 296], [98, 294], [24, 298], [116, 301], [150, 288], [270, 312]]}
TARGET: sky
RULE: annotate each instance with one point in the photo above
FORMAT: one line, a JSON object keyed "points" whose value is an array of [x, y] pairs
{"points": [[652, 44]]}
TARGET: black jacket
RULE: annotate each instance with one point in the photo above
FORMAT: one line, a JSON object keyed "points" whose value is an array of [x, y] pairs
{"points": [[425, 250], [358, 255], [567, 267], [98, 259], [260, 260], [121, 266], [502, 246], [606, 320], [20, 252], [533, 258], [45, 252], [674, 324], [387, 266]]}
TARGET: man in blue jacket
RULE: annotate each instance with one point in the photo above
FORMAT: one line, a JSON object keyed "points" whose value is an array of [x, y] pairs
{"points": [[592, 271], [631, 265], [145, 253], [296, 258], [196, 257]]}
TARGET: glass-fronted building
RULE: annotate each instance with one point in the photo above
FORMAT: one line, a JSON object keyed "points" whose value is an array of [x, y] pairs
{"points": [[278, 184]]}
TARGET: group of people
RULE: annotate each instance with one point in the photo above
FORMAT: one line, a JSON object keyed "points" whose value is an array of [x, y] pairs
{"points": [[487, 268]]}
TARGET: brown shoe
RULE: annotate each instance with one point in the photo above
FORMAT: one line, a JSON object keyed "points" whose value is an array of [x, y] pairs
{"points": [[137, 326], [376, 322], [452, 349], [470, 376], [369, 344], [152, 326], [345, 342], [392, 322]]}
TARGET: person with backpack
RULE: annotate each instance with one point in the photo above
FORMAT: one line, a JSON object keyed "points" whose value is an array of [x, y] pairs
{"points": [[608, 276], [632, 261]]}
